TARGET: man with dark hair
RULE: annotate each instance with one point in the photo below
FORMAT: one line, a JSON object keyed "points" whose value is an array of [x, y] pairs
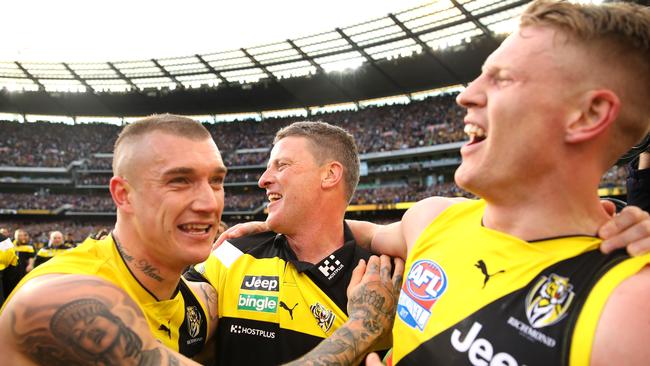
{"points": [[121, 299], [283, 291]]}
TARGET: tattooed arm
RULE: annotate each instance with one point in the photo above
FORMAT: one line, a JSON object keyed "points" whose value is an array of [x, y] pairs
{"points": [[372, 300], [78, 320], [208, 296]]}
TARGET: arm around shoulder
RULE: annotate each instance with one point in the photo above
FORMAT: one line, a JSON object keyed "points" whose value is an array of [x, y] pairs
{"points": [[396, 239], [80, 320], [421, 214], [624, 325]]}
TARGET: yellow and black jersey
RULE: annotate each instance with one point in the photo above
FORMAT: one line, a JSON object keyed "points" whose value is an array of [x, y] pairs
{"points": [[45, 254], [472, 295], [272, 307], [13, 274], [179, 323], [8, 260], [8, 255], [25, 253]]}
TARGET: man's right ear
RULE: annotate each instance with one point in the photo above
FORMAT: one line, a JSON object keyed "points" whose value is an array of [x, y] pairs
{"points": [[120, 190]]}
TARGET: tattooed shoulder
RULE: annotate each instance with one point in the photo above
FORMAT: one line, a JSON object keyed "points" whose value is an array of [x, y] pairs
{"points": [[73, 319]]}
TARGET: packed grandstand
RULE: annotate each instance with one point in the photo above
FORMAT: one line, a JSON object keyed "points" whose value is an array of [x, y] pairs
{"points": [[82, 155], [55, 175]]}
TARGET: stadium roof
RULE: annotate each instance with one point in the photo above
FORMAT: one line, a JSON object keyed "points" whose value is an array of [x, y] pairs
{"points": [[389, 55]]}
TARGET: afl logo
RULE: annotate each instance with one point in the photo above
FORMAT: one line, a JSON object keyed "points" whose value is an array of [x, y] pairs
{"points": [[424, 285]]}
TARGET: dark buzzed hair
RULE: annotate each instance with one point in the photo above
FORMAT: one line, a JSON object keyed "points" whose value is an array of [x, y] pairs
{"points": [[328, 142]]}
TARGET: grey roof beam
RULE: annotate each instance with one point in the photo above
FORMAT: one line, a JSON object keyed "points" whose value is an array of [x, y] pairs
{"points": [[78, 78], [427, 50], [396, 39], [473, 19], [122, 76], [41, 87], [166, 73], [322, 71], [273, 77], [372, 62], [213, 70]]}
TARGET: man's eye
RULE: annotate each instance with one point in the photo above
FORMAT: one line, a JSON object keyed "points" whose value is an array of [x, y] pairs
{"points": [[217, 181], [501, 80], [179, 180]]}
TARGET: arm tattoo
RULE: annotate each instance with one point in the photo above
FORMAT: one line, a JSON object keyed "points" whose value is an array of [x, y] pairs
{"points": [[210, 296], [342, 348], [86, 330], [371, 311], [172, 359]]}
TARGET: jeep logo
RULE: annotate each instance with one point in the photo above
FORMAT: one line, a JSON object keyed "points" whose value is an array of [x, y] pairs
{"points": [[264, 283], [480, 351]]}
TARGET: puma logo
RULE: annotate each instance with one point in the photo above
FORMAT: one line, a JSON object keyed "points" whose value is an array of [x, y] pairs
{"points": [[481, 265], [165, 329], [290, 310]]}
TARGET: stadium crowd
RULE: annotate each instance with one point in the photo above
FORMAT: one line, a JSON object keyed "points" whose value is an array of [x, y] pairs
{"points": [[254, 198], [434, 120]]}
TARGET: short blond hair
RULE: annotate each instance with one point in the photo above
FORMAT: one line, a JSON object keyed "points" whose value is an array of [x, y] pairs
{"points": [[618, 32], [167, 123]]}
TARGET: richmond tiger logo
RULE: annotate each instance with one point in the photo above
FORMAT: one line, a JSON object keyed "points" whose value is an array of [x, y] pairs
{"points": [[193, 321], [324, 316], [548, 301]]}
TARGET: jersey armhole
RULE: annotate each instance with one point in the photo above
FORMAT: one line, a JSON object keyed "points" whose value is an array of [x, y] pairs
{"points": [[585, 329]]}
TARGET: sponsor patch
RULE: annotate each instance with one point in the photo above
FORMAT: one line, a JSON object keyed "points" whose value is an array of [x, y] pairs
{"points": [[531, 333], [259, 303], [262, 283], [324, 316], [425, 283], [330, 267], [193, 317], [480, 351], [549, 300], [240, 329]]}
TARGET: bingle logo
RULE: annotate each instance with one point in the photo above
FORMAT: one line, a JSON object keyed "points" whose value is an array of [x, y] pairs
{"points": [[264, 283], [328, 269], [266, 304]]}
